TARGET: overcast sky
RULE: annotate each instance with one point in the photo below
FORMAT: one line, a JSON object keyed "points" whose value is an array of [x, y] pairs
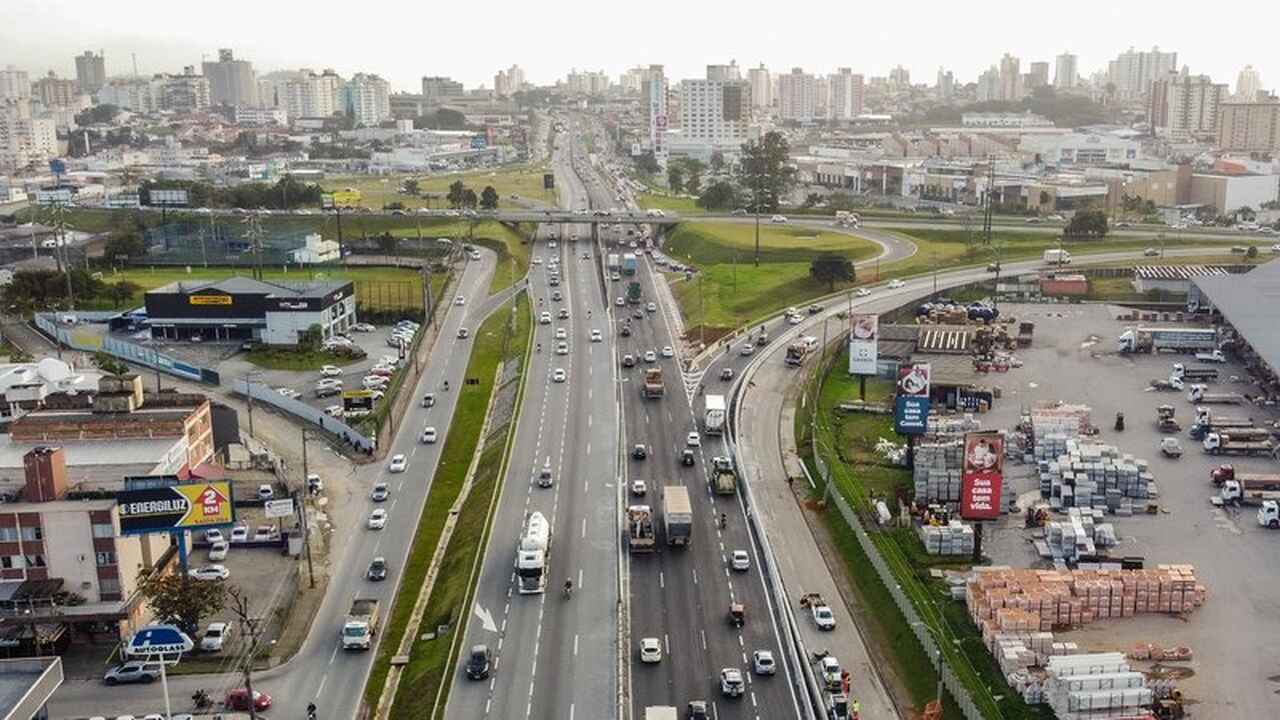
{"points": [[402, 41]]}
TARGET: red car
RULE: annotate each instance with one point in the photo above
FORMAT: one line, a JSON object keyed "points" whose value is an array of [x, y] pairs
{"points": [[238, 699]]}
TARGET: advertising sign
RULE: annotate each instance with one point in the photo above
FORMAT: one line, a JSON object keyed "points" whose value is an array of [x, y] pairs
{"points": [[548, 181], [341, 199], [864, 334], [982, 476], [210, 300], [278, 508], [356, 400], [911, 407], [168, 197], [160, 640], [180, 507]]}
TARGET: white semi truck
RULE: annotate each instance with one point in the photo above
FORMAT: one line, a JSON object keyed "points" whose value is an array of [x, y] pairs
{"points": [[714, 418], [532, 552]]}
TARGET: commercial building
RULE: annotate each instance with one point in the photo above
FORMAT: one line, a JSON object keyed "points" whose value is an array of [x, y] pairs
{"points": [[724, 73], [1132, 72], [435, 89], [900, 77], [1250, 304], [1010, 78], [91, 71], [185, 93], [261, 117], [1022, 120], [846, 95], [714, 115], [1080, 148], [316, 250], [241, 308], [1038, 75], [653, 106], [231, 81], [1248, 84], [26, 685], [761, 87], [367, 99], [1229, 193], [55, 92], [1065, 71], [1249, 126], [1182, 107], [797, 96]]}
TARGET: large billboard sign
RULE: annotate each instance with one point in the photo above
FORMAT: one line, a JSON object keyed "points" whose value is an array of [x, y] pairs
{"points": [[982, 476], [911, 406], [341, 199], [864, 333], [168, 197], [179, 507]]}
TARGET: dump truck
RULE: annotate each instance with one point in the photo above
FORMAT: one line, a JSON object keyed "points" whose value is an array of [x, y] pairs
{"points": [[633, 292], [1194, 373], [629, 263], [1216, 443], [531, 555], [677, 515], [1226, 472], [714, 417], [1198, 394], [652, 386], [361, 625], [640, 530], [724, 478], [1143, 339]]}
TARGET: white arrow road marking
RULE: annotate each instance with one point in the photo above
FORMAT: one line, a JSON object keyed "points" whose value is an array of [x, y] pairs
{"points": [[486, 619]]}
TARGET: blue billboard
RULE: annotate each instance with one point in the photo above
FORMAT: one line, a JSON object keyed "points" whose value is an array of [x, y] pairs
{"points": [[911, 415]]}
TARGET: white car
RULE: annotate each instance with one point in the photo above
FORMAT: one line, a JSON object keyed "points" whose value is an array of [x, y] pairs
{"points": [[239, 534], [559, 375], [650, 356], [429, 435], [537, 260], [668, 352], [334, 411], [747, 349], [795, 319], [639, 488], [693, 440], [214, 536], [377, 519], [288, 392], [740, 561], [895, 284], [459, 300], [731, 682], [651, 307], [398, 463], [824, 618], [544, 318], [619, 302], [215, 637], [209, 572], [375, 382], [778, 219], [562, 348], [650, 650], [561, 333], [862, 292], [380, 492], [330, 371], [218, 551], [829, 668], [597, 336], [363, 327], [762, 662]]}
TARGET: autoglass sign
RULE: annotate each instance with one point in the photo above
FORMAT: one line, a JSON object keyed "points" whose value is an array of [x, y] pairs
{"points": [[163, 509]]}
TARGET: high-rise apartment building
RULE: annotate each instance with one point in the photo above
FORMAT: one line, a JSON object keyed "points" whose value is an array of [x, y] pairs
{"points": [[231, 81], [946, 85], [653, 102], [185, 93], [1065, 71], [900, 77], [15, 84], [797, 96], [1185, 106], [630, 80], [1249, 127], [724, 73], [714, 114], [367, 99], [508, 82], [435, 89], [1248, 83], [989, 85], [91, 71], [24, 139], [761, 87], [846, 95], [139, 95], [55, 92], [1010, 78], [314, 95], [587, 83], [1133, 71], [1038, 75]]}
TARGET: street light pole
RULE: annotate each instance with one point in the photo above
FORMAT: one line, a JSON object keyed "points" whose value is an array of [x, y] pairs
{"points": [[302, 509]]}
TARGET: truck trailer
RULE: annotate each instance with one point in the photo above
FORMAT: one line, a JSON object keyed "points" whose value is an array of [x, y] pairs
{"points": [[1226, 472], [1216, 443], [653, 387], [614, 264], [531, 555], [677, 515], [361, 625], [1197, 393], [640, 529], [1057, 257], [1144, 339], [1194, 373], [629, 263], [713, 418]]}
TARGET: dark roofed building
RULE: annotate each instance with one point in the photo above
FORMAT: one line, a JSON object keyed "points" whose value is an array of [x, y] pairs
{"points": [[241, 308]]}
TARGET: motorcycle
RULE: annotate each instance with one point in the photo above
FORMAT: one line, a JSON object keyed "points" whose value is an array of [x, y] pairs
{"points": [[201, 700]]}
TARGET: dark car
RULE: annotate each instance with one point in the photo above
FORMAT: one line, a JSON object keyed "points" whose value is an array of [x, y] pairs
{"points": [[686, 458], [377, 570], [479, 662], [698, 710], [625, 331], [639, 452]]}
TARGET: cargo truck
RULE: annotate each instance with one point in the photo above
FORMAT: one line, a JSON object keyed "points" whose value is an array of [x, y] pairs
{"points": [[800, 349], [1194, 374], [1269, 514], [613, 263], [531, 555], [1221, 444], [1206, 423], [1175, 339], [677, 515], [653, 386], [1223, 473], [361, 625], [1253, 493], [714, 417], [1197, 394], [660, 712], [1057, 257], [640, 530], [629, 264], [633, 292], [724, 478]]}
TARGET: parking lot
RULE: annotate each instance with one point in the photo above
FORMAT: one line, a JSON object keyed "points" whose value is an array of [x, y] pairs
{"points": [[1073, 359]]}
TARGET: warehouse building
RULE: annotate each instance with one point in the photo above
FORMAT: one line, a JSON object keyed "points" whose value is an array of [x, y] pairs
{"points": [[1249, 304], [241, 308]]}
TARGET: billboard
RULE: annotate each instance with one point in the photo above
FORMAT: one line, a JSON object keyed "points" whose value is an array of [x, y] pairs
{"points": [[341, 199], [357, 400], [864, 334], [210, 300], [180, 507], [911, 406], [548, 181], [168, 197], [982, 476], [278, 508]]}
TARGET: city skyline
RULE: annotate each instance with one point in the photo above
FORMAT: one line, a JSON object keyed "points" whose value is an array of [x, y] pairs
{"points": [[389, 50]]}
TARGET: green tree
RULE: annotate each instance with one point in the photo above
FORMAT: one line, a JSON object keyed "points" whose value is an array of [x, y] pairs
{"points": [[389, 243], [717, 162], [457, 194], [719, 196], [648, 163], [764, 172], [470, 199], [125, 245], [411, 187], [1252, 252], [1087, 224], [109, 364], [831, 268], [122, 292], [179, 600], [840, 201], [675, 177], [811, 201], [489, 198], [309, 340]]}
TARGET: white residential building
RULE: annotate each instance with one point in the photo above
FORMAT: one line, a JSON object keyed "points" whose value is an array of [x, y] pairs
{"points": [[1005, 120], [508, 82], [1185, 106], [653, 103], [845, 95], [761, 87], [367, 99], [1010, 78], [25, 139], [714, 115], [231, 81], [724, 73], [139, 95], [314, 96], [797, 96], [1248, 83], [1133, 71], [989, 85], [1065, 71], [261, 117], [14, 84]]}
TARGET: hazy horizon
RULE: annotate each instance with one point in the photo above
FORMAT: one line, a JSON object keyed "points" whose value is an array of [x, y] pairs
{"points": [[404, 44]]}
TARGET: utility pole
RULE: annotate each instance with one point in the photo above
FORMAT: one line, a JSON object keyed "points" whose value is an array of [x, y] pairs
{"points": [[987, 211], [302, 509], [239, 607]]}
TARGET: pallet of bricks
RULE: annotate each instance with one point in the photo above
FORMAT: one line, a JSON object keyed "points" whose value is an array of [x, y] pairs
{"points": [[1052, 425], [939, 458]]}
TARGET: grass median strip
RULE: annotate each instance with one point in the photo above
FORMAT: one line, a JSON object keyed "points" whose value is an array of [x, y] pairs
{"points": [[459, 448]]}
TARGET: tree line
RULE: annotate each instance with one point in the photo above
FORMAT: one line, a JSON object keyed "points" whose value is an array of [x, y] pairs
{"points": [[285, 194]]}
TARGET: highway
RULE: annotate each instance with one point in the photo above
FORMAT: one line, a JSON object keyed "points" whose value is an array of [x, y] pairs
{"points": [[555, 655]]}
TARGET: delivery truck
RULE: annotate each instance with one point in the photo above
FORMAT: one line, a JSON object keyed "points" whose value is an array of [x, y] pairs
{"points": [[1143, 339], [361, 625], [629, 264], [724, 479], [677, 515], [614, 264], [713, 419], [1194, 373], [1057, 257], [1216, 443], [532, 551], [653, 387], [1198, 393]]}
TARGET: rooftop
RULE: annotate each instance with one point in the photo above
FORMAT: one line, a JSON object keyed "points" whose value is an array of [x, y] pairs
{"points": [[26, 685], [244, 285], [1250, 302]]}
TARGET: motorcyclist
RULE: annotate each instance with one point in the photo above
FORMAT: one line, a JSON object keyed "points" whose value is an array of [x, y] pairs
{"points": [[568, 586], [723, 519], [311, 710], [539, 347], [445, 385]]}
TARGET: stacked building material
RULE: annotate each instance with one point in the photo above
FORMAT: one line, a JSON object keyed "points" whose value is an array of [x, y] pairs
{"points": [[1045, 599], [939, 458], [954, 538], [1053, 425], [1093, 475], [1082, 533], [1095, 685]]}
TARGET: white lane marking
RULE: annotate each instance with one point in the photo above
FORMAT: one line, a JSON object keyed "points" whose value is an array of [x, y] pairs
{"points": [[321, 688], [575, 645], [334, 656], [584, 528], [703, 633]]}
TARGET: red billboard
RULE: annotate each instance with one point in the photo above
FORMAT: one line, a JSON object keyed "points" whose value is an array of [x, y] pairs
{"points": [[982, 477]]}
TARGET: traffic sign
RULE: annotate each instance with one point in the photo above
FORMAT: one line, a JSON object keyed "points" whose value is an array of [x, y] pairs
{"points": [[160, 640]]}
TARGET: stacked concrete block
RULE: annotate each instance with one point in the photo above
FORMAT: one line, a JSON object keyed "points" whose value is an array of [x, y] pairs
{"points": [[954, 538], [1095, 685], [1094, 475], [939, 458]]}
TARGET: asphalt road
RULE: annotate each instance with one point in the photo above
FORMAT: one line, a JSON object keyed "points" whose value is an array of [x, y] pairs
{"points": [[554, 655], [321, 672]]}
